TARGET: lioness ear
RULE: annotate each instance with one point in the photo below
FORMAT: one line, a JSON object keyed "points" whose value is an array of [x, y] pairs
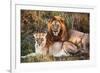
{"points": [[34, 34], [45, 34]]}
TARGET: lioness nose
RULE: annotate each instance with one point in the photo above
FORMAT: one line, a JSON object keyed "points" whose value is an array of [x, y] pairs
{"points": [[39, 42]]}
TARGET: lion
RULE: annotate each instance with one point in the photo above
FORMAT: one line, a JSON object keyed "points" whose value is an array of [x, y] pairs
{"points": [[80, 39], [57, 31]]}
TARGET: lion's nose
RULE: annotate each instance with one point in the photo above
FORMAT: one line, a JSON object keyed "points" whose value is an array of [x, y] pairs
{"points": [[55, 31], [55, 27]]}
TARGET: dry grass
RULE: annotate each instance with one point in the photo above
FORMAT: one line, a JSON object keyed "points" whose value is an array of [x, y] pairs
{"points": [[49, 58]]}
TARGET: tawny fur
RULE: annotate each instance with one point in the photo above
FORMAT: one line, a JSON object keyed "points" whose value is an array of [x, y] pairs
{"points": [[80, 39]]}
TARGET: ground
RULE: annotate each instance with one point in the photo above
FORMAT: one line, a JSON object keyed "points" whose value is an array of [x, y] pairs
{"points": [[49, 58]]}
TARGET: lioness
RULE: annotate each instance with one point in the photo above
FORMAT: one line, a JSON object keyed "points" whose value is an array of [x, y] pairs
{"points": [[40, 43]]}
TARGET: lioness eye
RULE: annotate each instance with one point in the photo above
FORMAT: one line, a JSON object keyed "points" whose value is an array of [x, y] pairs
{"points": [[42, 39], [35, 39]]}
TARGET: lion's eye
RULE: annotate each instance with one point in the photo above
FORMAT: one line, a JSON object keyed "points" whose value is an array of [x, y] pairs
{"points": [[53, 25], [57, 25]]}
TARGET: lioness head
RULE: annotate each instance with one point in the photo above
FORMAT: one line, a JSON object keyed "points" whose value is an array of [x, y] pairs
{"points": [[40, 38]]}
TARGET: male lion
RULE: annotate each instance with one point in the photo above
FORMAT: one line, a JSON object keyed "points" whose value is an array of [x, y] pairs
{"points": [[57, 31], [80, 39]]}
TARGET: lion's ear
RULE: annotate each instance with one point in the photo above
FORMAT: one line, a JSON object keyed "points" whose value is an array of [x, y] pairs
{"points": [[51, 19], [62, 20]]}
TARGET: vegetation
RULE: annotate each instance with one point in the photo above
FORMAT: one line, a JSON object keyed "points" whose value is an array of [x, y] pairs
{"points": [[49, 58]]}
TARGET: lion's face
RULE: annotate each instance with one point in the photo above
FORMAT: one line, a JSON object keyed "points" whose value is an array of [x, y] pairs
{"points": [[57, 31], [55, 27]]}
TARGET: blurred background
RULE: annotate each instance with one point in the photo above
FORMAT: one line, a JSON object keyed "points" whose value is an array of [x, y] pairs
{"points": [[32, 21]]}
